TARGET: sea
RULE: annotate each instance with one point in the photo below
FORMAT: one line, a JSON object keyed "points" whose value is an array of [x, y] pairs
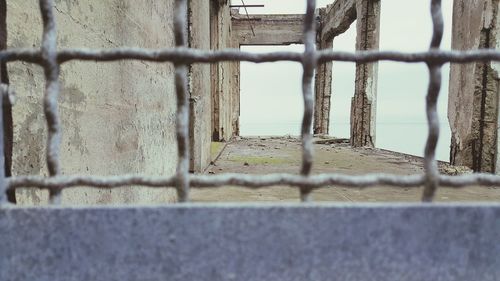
{"points": [[408, 138]]}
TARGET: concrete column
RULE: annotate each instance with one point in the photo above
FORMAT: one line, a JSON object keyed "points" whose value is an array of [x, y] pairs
{"points": [[474, 88], [7, 108], [235, 86], [214, 70], [323, 93], [363, 106], [222, 98], [199, 85]]}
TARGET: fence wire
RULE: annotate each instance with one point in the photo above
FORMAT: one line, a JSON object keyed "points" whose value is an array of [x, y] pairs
{"points": [[181, 56]]}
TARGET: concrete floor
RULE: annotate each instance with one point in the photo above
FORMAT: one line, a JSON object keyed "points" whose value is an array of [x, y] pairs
{"points": [[283, 155]]}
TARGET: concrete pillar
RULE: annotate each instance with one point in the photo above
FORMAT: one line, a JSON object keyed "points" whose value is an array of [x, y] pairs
{"points": [[199, 86], [222, 80], [7, 108], [474, 88], [235, 92], [214, 70], [323, 93], [363, 106]]}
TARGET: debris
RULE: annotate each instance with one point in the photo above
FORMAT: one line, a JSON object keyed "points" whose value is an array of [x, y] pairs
{"points": [[332, 141], [454, 170]]}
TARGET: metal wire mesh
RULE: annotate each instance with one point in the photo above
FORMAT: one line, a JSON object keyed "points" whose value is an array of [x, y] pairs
{"points": [[51, 59]]}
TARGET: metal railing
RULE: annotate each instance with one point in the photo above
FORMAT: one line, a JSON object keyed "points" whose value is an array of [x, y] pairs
{"points": [[50, 58]]}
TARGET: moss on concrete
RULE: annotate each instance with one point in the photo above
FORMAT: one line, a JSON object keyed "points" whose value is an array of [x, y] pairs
{"points": [[260, 160], [216, 148]]}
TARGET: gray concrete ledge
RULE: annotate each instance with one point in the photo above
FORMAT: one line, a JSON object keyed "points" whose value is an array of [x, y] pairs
{"points": [[266, 242]]}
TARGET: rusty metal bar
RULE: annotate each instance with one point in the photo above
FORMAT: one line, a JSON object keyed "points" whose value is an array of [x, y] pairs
{"points": [[309, 63], [248, 16], [253, 181], [51, 69], [190, 55], [181, 85], [246, 6], [435, 72]]}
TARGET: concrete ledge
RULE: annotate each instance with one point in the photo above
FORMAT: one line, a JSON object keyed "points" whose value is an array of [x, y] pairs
{"points": [[230, 242]]}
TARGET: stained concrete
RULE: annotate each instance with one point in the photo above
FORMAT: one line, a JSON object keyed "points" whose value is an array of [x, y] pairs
{"points": [[473, 95], [337, 18], [200, 79], [225, 77], [323, 81], [273, 29], [323, 93], [117, 117], [364, 102]]}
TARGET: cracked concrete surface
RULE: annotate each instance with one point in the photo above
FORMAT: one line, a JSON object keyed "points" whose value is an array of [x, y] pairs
{"points": [[283, 154]]}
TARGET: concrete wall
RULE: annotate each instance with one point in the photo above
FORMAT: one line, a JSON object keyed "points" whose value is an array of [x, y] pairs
{"points": [[117, 117], [473, 95]]}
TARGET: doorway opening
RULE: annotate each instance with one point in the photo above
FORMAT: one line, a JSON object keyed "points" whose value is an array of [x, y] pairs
{"points": [[402, 88], [343, 85], [271, 101]]}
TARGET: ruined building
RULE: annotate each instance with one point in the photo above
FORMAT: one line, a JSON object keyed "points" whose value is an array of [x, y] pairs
{"points": [[119, 117]]}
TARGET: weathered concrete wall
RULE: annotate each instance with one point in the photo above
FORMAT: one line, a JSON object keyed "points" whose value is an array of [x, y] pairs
{"points": [[200, 80], [363, 106], [225, 77], [268, 29], [473, 95], [117, 117]]}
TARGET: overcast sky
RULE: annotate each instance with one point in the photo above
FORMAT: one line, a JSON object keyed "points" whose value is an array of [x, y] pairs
{"points": [[273, 92]]}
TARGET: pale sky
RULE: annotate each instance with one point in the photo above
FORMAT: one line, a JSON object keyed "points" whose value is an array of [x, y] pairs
{"points": [[272, 92]]}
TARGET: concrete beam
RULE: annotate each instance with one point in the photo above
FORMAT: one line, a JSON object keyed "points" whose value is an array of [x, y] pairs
{"points": [[228, 242], [268, 29], [337, 19], [474, 88], [363, 106]]}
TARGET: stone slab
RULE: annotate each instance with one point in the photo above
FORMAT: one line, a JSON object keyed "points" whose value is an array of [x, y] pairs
{"points": [[252, 242]]}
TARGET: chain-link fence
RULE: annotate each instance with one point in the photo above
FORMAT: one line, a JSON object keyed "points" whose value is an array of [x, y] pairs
{"points": [[51, 59]]}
